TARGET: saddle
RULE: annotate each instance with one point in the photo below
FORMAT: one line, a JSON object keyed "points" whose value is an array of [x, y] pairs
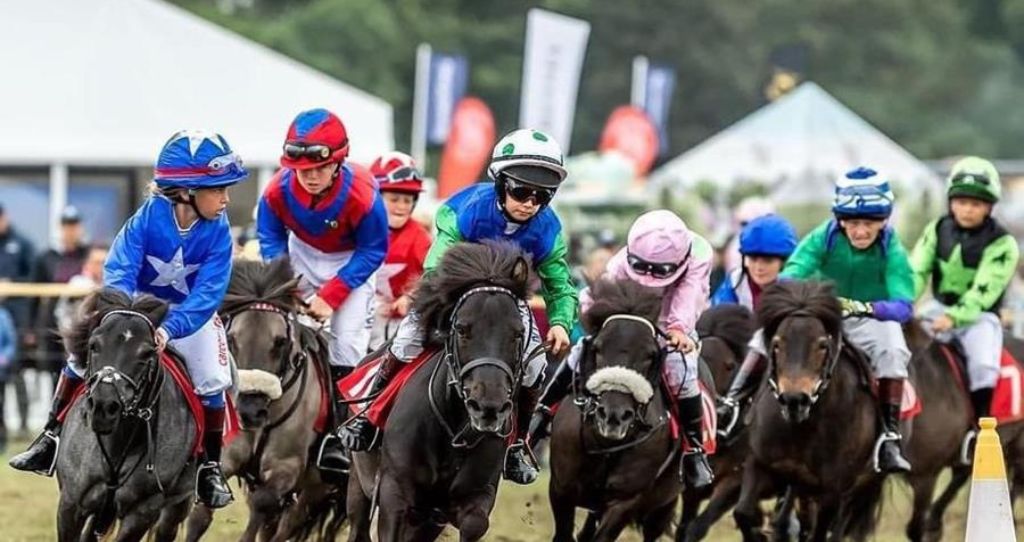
{"points": [[1007, 401], [356, 386]]}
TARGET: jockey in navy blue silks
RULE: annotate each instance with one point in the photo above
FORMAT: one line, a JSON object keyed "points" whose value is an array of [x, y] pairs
{"points": [[177, 247]]}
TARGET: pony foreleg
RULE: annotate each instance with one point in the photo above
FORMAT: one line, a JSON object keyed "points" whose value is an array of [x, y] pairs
{"points": [[828, 511], [198, 522], [747, 514], [359, 508], [563, 508], [961, 475], [614, 519], [70, 520], [656, 523], [472, 517], [170, 519], [924, 489], [140, 519], [724, 497], [589, 529]]}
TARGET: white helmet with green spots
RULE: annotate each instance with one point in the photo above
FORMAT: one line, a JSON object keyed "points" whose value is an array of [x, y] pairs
{"points": [[974, 177], [530, 156]]}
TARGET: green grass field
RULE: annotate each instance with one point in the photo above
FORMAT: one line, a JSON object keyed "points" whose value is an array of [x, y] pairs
{"points": [[28, 503]]}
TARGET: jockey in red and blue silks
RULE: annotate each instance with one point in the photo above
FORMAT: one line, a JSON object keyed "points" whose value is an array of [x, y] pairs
{"points": [[177, 246], [328, 217]]}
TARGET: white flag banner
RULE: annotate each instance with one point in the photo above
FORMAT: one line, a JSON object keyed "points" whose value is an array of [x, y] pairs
{"points": [[555, 47]]}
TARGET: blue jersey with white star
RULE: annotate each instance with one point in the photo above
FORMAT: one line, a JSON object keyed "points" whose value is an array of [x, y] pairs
{"points": [[189, 269]]}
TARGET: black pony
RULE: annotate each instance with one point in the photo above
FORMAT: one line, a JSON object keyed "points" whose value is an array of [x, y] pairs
{"points": [[127, 448], [445, 440]]}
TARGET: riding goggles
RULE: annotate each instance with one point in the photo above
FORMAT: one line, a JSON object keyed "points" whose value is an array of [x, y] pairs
{"points": [[522, 192], [656, 270], [971, 178], [313, 151], [399, 175]]}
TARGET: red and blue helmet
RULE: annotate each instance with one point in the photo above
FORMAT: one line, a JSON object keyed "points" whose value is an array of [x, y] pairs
{"points": [[316, 137], [196, 159], [768, 235], [396, 172]]}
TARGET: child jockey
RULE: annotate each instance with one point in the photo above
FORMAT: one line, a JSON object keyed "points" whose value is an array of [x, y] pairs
{"points": [[177, 247], [862, 255], [327, 216], [660, 253], [970, 259], [765, 244], [400, 185], [526, 167]]}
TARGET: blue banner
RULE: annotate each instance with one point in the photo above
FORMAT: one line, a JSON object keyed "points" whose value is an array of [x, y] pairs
{"points": [[661, 82], [449, 75]]}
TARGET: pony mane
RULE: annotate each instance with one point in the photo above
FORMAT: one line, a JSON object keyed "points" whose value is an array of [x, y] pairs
{"points": [[464, 266], [812, 298], [621, 296], [97, 304], [252, 281], [732, 323]]}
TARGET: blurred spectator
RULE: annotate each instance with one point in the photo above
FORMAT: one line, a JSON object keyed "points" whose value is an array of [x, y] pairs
{"points": [[586, 275], [57, 265], [16, 254], [91, 276], [8, 350]]}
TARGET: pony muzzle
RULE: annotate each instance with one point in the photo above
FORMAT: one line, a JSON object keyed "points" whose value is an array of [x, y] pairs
{"points": [[256, 391], [620, 393]]}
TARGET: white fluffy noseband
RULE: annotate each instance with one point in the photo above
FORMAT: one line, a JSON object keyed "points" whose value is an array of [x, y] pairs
{"points": [[257, 381], [623, 380]]}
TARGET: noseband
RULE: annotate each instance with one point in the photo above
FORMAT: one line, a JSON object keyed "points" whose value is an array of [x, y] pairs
{"points": [[832, 354]]}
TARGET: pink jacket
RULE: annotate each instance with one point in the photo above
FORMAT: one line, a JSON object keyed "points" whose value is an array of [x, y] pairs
{"points": [[684, 299]]}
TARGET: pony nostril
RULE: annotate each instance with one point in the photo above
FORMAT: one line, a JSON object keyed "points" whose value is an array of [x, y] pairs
{"points": [[110, 409], [601, 412], [262, 413], [506, 407], [627, 415], [472, 404]]}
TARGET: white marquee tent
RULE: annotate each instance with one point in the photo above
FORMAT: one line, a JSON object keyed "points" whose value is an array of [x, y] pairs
{"points": [[797, 145], [105, 82]]}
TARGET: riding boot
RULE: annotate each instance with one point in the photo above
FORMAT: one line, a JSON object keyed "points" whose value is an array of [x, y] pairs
{"points": [[744, 384], [41, 456], [520, 464], [981, 400], [211, 486], [558, 387], [333, 456], [694, 470], [888, 455], [360, 435]]}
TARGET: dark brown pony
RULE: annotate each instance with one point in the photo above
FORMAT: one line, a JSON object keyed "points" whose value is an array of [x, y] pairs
{"points": [[445, 440], [724, 331], [816, 430], [279, 399], [939, 430], [612, 451]]}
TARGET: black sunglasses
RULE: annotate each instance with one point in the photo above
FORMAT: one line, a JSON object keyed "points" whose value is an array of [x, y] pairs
{"points": [[314, 151], [522, 192], [656, 270], [979, 178]]}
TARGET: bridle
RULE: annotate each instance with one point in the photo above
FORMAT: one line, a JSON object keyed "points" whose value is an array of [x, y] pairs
{"points": [[835, 348], [457, 370]]}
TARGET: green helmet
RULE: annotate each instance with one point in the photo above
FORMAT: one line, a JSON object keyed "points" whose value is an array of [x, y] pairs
{"points": [[974, 177]]}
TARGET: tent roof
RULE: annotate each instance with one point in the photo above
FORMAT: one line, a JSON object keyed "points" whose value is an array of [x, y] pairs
{"points": [[797, 145], [106, 82]]}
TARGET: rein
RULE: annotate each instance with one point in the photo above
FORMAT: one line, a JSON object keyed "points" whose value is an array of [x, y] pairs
{"points": [[457, 371], [586, 401], [295, 367], [144, 407], [835, 350]]}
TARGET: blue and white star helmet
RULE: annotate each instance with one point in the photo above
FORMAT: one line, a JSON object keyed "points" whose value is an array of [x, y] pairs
{"points": [[197, 159], [863, 193]]}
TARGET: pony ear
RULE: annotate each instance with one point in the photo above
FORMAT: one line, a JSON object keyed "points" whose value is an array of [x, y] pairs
{"points": [[520, 270], [159, 313]]}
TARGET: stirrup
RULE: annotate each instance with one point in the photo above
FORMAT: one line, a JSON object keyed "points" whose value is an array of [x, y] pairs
{"points": [[527, 455], [48, 434], [734, 417], [965, 448], [207, 465], [886, 436], [324, 445]]}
